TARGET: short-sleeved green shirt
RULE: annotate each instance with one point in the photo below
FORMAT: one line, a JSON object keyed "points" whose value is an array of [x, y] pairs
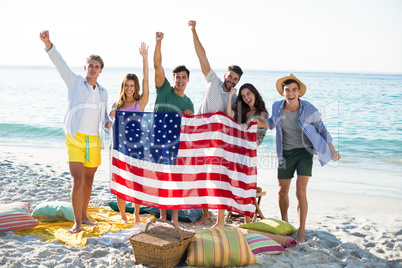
{"points": [[168, 101]]}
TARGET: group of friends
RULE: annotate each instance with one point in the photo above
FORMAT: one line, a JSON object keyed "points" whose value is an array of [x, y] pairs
{"points": [[300, 133]]}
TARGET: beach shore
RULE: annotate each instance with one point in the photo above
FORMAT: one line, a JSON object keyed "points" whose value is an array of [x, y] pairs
{"points": [[343, 229]]}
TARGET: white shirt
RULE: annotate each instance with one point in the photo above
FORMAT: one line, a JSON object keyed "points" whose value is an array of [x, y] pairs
{"points": [[90, 117], [215, 99]]}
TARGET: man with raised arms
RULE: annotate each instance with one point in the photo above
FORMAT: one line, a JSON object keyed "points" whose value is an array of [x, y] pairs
{"points": [[85, 119], [168, 98], [215, 96]]}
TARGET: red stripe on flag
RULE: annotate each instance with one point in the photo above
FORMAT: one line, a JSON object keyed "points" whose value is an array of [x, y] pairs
{"points": [[203, 144], [219, 127], [217, 161]]}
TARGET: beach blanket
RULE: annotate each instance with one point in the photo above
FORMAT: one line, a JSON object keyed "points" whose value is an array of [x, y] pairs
{"points": [[174, 161], [107, 220]]}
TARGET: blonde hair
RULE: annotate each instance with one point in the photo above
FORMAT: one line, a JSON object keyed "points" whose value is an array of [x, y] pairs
{"points": [[122, 94], [96, 58]]}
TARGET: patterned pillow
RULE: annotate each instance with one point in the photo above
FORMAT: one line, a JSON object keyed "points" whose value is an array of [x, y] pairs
{"points": [[271, 225], [259, 243], [219, 247], [54, 211], [16, 216]]}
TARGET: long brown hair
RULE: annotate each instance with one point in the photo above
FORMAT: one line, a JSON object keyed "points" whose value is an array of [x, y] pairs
{"points": [[122, 94], [240, 108]]}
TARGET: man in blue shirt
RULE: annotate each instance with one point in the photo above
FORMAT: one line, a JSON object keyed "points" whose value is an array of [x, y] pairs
{"points": [[300, 133]]}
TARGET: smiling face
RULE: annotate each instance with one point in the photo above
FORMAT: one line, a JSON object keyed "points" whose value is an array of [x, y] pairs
{"points": [[129, 88], [180, 80], [248, 97], [231, 80], [291, 92]]}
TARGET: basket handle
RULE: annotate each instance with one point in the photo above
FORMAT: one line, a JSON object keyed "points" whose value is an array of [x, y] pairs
{"points": [[166, 221]]}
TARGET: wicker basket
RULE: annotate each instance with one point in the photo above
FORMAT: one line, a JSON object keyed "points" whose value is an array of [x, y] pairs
{"points": [[161, 246]]}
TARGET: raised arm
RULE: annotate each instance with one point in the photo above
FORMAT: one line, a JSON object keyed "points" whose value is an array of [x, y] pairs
{"points": [[159, 72], [65, 72], [199, 49], [229, 110], [145, 81], [44, 36]]}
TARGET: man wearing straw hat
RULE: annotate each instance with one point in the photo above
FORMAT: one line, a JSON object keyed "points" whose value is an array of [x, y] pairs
{"points": [[300, 133]]}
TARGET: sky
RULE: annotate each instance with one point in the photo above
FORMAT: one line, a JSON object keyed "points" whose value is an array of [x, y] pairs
{"points": [[296, 35]]}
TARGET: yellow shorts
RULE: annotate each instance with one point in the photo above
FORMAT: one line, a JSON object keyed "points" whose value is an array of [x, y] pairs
{"points": [[84, 149]]}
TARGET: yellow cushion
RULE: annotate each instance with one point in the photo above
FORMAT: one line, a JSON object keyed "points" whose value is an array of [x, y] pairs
{"points": [[271, 225]]}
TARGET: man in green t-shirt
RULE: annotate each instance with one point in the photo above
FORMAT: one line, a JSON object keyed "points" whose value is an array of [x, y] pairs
{"points": [[170, 99]]}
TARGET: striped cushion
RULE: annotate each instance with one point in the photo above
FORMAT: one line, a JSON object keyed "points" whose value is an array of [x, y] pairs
{"points": [[259, 243], [219, 247], [16, 216]]}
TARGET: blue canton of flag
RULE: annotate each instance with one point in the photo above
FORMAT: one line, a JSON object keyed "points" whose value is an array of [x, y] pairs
{"points": [[152, 137]]}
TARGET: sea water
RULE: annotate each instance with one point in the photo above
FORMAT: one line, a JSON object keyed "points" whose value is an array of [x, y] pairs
{"points": [[361, 111]]}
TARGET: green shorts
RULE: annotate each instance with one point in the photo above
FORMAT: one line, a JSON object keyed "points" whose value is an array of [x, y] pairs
{"points": [[300, 159]]}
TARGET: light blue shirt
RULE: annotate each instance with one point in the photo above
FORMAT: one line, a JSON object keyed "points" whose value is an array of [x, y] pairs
{"points": [[311, 125], [78, 93]]}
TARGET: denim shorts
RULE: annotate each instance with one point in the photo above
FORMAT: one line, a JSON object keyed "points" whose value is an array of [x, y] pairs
{"points": [[300, 159]]}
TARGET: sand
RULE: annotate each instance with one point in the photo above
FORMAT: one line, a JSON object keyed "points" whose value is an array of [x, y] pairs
{"points": [[343, 230]]}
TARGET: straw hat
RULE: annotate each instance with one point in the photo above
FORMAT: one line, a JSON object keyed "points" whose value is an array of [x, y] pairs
{"points": [[290, 76]]}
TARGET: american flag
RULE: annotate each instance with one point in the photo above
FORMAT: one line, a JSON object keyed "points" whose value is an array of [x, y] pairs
{"points": [[174, 161]]}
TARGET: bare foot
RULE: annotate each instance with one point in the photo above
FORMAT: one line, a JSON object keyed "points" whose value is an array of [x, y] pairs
{"points": [[301, 238], [137, 220], [75, 229], [89, 222], [203, 219], [217, 224], [123, 221], [176, 222]]}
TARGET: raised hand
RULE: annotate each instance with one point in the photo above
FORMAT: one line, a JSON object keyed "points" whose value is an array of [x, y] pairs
{"points": [[192, 24], [159, 36], [144, 49], [44, 36]]}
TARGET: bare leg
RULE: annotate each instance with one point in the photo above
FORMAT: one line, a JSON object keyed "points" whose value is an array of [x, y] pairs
{"points": [[283, 197], [137, 213], [175, 216], [77, 196], [89, 174], [302, 206], [122, 208], [204, 217], [163, 214], [220, 219]]}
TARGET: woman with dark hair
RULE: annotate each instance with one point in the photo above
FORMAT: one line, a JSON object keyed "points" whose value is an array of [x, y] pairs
{"points": [[249, 106], [130, 100]]}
